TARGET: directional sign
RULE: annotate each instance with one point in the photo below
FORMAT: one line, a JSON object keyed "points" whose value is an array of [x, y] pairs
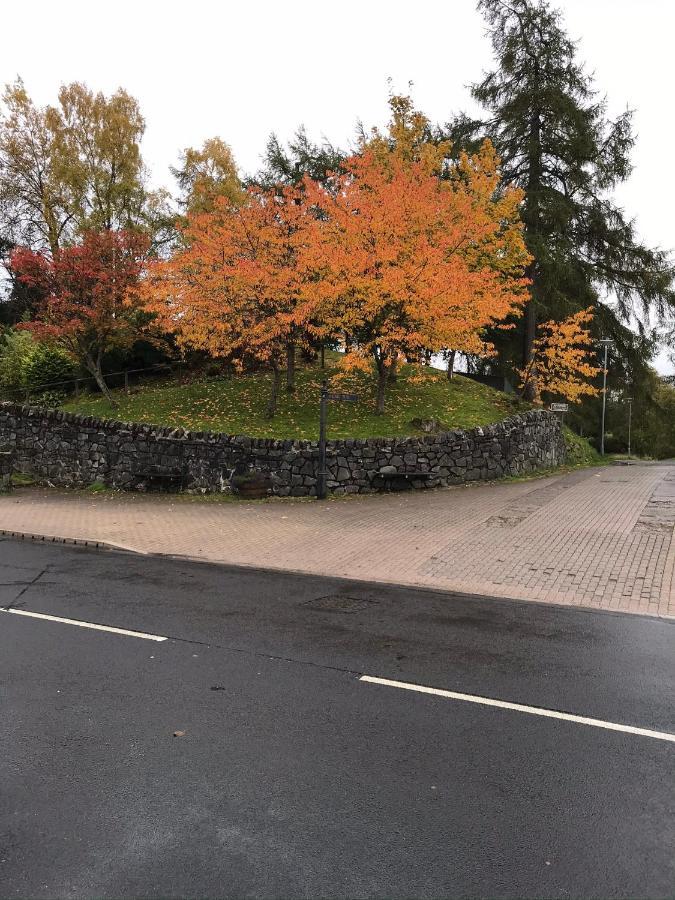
{"points": [[560, 407], [344, 398]]}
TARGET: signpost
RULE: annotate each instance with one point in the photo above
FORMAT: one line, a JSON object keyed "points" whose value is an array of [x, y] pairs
{"points": [[327, 395], [342, 398], [562, 408]]}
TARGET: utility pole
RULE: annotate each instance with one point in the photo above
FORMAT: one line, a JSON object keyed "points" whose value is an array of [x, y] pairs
{"points": [[606, 343]]}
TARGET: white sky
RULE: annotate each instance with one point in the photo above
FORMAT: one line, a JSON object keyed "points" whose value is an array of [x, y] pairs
{"points": [[243, 69]]}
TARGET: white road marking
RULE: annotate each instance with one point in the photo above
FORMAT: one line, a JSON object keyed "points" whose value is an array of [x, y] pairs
{"points": [[36, 615], [519, 707]]}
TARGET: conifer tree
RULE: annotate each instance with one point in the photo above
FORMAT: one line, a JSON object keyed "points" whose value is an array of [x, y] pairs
{"points": [[556, 142]]}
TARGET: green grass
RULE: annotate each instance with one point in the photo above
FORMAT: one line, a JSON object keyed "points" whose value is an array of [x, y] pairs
{"points": [[581, 453], [98, 487], [20, 479], [236, 405]]}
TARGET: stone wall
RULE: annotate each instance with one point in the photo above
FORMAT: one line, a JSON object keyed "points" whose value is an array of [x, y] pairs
{"points": [[67, 449]]}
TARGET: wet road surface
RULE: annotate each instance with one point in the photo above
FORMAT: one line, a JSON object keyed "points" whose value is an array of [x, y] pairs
{"points": [[229, 746]]}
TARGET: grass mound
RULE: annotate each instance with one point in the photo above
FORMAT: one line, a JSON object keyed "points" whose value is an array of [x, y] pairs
{"points": [[236, 405], [580, 452]]}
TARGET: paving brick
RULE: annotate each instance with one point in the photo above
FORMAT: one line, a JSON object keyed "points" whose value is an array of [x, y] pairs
{"points": [[579, 539]]}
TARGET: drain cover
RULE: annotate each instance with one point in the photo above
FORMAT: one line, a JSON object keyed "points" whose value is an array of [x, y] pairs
{"points": [[339, 603]]}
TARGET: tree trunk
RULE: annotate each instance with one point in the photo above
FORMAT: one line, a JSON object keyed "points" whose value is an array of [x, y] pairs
{"points": [[290, 366], [382, 377], [323, 357], [94, 366], [451, 365], [530, 388], [531, 218], [274, 396], [393, 370]]}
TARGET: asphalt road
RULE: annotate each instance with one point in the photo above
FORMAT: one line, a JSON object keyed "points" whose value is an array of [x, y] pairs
{"points": [[291, 777]]}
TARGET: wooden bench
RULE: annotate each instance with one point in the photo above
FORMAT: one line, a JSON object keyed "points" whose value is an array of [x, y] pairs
{"points": [[163, 480], [401, 481], [171, 477]]}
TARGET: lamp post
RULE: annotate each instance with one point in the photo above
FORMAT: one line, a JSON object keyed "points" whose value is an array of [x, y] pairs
{"points": [[606, 343], [629, 400], [323, 475]]}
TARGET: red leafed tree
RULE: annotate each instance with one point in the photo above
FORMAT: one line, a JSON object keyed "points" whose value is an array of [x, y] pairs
{"points": [[407, 262], [88, 301]]}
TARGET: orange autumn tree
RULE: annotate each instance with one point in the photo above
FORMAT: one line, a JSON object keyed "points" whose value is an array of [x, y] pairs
{"points": [[561, 359], [410, 138], [408, 262], [236, 289]]}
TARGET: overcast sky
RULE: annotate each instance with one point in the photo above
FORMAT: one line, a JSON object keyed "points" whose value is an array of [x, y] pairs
{"points": [[243, 69]]}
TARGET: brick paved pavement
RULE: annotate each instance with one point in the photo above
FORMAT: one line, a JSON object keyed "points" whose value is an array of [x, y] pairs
{"points": [[602, 538]]}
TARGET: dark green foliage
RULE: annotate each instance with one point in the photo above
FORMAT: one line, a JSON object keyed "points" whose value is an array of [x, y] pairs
{"points": [[653, 419], [18, 301], [16, 348], [29, 367], [47, 368], [289, 165], [49, 399], [556, 142], [653, 414]]}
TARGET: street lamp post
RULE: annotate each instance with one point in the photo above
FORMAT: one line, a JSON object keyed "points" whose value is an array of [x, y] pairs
{"points": [[606, 343], [629, 400], [323, 475]]}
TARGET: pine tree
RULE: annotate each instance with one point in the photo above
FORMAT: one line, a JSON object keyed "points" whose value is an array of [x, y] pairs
{"points": [[556, 143], [284, 166]]}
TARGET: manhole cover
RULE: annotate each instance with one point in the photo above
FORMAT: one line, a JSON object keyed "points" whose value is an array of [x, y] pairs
{"points": [[339, 603]]}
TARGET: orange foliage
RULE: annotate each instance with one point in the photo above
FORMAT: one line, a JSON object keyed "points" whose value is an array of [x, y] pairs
{"points": [[560, 362], [387, 253], [407, 138], [237, 288], [408, 262]]}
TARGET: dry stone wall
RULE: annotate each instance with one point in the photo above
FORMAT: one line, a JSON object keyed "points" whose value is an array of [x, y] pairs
{"points": [[68, 449]]}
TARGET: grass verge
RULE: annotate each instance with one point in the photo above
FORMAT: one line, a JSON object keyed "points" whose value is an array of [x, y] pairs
{"points": [[236, 405]]}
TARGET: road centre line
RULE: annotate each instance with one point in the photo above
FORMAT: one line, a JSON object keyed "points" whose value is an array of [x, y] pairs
{"points": [[386, 682], [519, 707], [94, 626]]}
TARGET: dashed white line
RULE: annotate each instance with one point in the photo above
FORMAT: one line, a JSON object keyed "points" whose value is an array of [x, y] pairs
{"points": [[519, 707], [93, 625]]}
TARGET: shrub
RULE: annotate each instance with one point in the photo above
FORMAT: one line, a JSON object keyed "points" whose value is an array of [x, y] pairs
{"points": [[26, 365], [579, 450], [49, 399], [45, 367], [15, 351]]}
